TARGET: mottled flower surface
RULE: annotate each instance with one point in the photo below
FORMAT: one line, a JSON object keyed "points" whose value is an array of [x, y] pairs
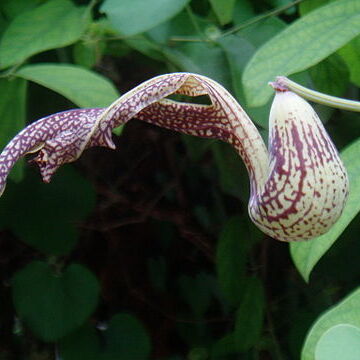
{"points": [[58, 139], [298, 187]]}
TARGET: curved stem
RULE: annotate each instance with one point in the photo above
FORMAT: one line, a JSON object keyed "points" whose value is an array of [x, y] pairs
{"points": [[283, 83]]}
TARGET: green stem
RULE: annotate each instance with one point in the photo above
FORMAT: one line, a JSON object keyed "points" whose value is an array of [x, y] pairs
{"points": [[315, 96], [195, 23], [10, 72], [260, 17]]}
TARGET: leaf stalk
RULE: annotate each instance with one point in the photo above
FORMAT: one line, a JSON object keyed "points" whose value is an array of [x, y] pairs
{"points": [[316, 96]]}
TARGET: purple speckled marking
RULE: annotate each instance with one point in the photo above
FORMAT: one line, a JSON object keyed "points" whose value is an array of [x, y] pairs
{"points": [[298, 187], [59, 137]]}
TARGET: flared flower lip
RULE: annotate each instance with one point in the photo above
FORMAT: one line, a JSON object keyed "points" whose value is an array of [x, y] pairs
{"points": [[61, 138]]}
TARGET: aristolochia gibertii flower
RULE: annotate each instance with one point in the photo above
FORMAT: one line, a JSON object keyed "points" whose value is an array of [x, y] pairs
{"points": [[298, 186]]}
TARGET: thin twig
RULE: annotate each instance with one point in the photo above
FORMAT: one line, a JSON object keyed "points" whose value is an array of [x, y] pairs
{"points": [[10, 72], [195, 24], [189, 39], [242, 26], [263, 16]]}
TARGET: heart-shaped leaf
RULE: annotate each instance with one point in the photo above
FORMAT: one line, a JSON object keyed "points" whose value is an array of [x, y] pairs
{"points": [[54, 304], [126, 339], [346, 312], [339, 342], [57, 207]]}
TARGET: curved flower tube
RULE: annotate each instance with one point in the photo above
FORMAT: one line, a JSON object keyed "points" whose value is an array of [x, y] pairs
{"points": [[298, 186]]}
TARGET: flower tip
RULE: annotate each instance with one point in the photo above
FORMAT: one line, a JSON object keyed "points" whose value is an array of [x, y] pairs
{"points": [[278, 85], [2, 188], [272, 84], [110, 144]]}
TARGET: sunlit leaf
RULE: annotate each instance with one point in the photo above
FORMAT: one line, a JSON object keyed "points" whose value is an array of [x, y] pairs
{"points": [[33, 31], [307, 6], [339, 342], [346, 312], [83, 87], [243, 11], [330, 76], [302, 44], [239, 49], [132, 17], [223, 10], [351, 55], [203, 59]]}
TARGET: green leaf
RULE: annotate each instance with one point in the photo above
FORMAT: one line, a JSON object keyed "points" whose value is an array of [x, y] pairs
{"points": [[56, 207], [239, 49], [3, 23], [302, 44], [83, 344], [330, 76], [13, 116], [351, 55], [180, 25], [339, 342], [146, 46], [87, 54], [83, 87], [231, 256], [196, 147], [198, 353], [203, 59], [33, 31], [232, 172], [307, 6], [250, 314], [132, 17], [224, 346], [53, 304], [346, 312], [196, 292], [279, 3], [261, 32], [126, 338], [12, 8], [306, 254], [243, 11], [223, 10]]}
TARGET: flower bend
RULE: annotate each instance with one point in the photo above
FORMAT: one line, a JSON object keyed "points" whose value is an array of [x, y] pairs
{"points": [[298, 187]]}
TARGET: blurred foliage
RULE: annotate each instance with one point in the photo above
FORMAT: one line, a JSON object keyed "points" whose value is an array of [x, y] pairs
{"points": [[147, 252]]}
